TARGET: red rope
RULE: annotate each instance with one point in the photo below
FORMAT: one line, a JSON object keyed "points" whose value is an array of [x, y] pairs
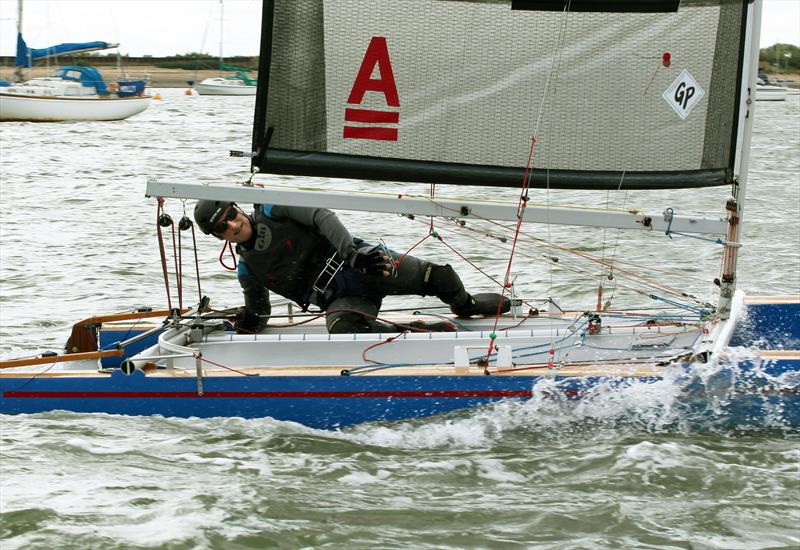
{"points": [[523, 201], [612, 265], [223, 366], [433, 192], [407, 252], [178, 281], [475, 266], [196, 266], [388, 340], [227, 244], [159, 210], [399, 260]]}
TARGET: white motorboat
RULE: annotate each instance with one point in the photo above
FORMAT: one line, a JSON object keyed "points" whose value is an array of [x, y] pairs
{"points": [[225, 86], [766, 92]]}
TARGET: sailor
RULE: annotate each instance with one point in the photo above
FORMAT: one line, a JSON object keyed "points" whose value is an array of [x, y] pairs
{"points": [[308, 256]]}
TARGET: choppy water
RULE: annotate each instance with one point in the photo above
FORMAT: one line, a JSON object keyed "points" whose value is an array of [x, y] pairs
{"points": [[627, 470]]}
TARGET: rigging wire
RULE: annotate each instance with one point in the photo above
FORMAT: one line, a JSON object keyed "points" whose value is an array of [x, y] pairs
{"points": [[537, 242], [528, 175], [554, 69], [176, 255], [523, 199], [196, 265]]}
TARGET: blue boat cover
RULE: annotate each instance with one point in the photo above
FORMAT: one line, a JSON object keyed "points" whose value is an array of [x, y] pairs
{"points": [[87, 76], [26, 55], [129, 88]]}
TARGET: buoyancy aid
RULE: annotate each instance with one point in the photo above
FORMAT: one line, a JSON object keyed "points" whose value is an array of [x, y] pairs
{"points": [[285, 256]]}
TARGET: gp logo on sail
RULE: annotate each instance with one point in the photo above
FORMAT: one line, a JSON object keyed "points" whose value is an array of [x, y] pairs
{"points": [[373, 123], [683, 94]]}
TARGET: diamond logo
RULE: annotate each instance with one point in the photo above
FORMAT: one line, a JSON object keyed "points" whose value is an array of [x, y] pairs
{"points": [[683, 94]]}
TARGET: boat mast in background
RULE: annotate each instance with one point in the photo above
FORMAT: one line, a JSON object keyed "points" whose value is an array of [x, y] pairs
{"points": [[221, 33], [18, 77]]}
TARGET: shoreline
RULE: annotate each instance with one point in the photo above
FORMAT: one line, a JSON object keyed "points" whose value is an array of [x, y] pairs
{"points": [[159, 77]]}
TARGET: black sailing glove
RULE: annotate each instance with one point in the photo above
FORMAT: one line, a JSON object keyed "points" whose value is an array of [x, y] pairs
{"points": [[247, 322], [375, 262]]}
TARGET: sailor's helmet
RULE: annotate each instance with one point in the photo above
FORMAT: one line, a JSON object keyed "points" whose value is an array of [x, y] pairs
{"points": [[207, 213]]}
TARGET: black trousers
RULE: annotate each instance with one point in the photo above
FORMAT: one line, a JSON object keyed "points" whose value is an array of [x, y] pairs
{"points": [[357, 298]]}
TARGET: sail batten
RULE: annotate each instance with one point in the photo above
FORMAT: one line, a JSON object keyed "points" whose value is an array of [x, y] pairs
{"points": [[453, 92]]}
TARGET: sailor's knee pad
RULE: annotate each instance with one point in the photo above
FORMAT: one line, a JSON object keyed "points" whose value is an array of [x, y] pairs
{"points": [[443, 282]]}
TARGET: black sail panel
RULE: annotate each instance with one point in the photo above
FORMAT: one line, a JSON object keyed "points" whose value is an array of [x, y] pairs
{"points": [[449, 91]]}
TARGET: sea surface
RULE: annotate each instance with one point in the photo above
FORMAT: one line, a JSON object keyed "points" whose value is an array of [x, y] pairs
{"points": [[629, 470]]}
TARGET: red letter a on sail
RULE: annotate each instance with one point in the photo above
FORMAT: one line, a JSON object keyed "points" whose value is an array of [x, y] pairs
{"points": [[377, 54]]}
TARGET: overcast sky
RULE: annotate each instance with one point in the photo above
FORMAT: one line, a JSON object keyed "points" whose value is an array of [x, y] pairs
{"points": [[169, 27]]}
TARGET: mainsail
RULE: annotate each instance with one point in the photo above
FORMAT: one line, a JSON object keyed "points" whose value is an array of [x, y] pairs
{"points": [[449, 91]]}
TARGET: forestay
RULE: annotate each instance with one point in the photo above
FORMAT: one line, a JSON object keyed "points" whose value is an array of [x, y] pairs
{"points": [[453, 91]]}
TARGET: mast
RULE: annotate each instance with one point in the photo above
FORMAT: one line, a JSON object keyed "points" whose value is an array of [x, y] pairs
{"points": [[735, 205], [221, 26], [18, 70]]}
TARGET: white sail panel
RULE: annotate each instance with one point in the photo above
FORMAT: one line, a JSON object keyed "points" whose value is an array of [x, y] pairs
{"points": [[469, 83]]}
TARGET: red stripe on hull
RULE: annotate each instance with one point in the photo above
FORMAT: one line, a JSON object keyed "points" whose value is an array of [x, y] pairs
{"points": [[261, 395]]}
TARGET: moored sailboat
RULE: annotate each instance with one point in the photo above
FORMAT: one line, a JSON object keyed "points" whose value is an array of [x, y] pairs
{"points": [[369, 109], [72, 92], [237, 82]]}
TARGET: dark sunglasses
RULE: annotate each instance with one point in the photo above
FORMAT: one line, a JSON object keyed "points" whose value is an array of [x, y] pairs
{"points": [[222, 225]]}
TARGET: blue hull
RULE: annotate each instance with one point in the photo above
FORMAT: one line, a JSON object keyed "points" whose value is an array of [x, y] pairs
{"points": [[316, 401], [748, 393], [336, 401], [769, 326]]}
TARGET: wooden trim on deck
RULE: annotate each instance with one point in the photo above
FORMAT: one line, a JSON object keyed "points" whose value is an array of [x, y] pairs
{"points": [[611, 370], [84, 333], [784, 299], [29, 361], [784, 355]]}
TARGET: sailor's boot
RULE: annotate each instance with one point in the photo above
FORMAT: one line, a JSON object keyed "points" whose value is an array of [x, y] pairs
{"points": [[482, 304], [442, 281]]}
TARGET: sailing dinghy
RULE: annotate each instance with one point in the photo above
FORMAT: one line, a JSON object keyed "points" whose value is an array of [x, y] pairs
{"points": [[507, 96]]}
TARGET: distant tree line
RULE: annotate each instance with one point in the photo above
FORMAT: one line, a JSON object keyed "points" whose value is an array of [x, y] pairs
{"points": [[779, 58], [193, 61]]}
